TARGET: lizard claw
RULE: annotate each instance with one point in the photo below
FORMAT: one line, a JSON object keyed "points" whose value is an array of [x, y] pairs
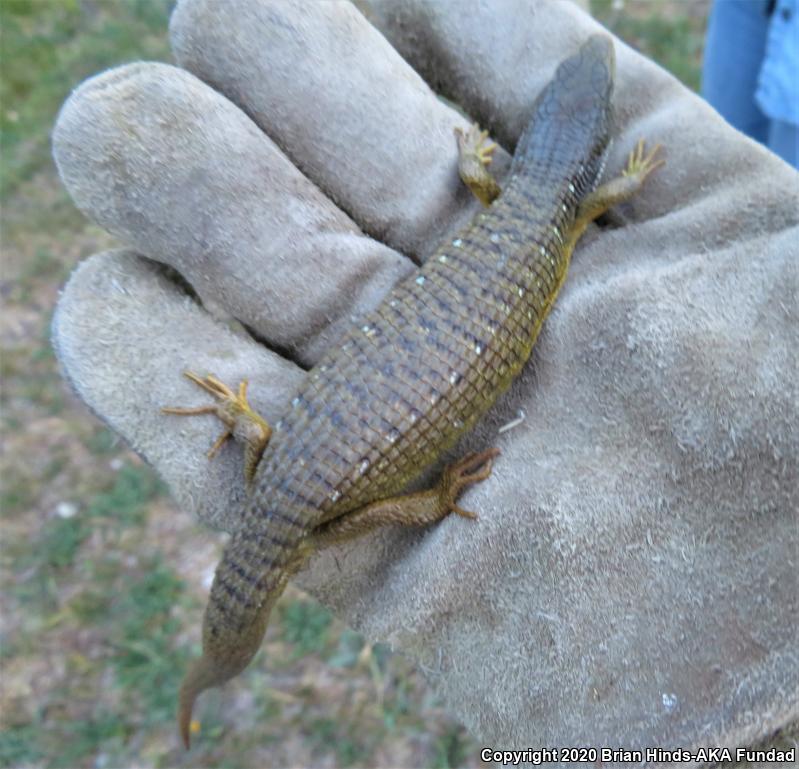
{"points": [[640, 164], [472, 469], [473, 142], [474, 155]]}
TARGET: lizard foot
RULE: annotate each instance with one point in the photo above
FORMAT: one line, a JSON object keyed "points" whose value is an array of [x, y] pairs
{"points": [[472, 469], [640, 164], [473, 143], [240, 421], [474, 155]]}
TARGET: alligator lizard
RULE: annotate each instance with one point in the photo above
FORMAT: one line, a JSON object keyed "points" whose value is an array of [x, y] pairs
{"points": [[417, 372]]}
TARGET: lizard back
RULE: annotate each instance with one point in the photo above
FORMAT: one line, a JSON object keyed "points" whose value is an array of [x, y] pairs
{"points": [[417, 372]]}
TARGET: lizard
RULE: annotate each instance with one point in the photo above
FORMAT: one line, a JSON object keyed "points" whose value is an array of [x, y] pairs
{"points": [[418, 371]]}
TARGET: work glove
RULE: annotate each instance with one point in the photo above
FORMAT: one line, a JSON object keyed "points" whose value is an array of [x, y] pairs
{"points": [[632, 578]]}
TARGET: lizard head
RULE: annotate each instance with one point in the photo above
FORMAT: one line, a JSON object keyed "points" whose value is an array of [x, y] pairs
{"points": [[572, 118]]}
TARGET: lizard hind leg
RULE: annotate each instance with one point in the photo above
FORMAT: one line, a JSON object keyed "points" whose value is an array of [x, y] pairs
{"points": [[419, 508]]}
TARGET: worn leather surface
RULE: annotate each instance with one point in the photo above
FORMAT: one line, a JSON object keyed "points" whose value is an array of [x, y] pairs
{"points": [[632, 579]]}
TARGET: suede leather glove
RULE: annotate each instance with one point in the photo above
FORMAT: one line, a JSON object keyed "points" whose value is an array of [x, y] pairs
{"points": [[632, 578]]}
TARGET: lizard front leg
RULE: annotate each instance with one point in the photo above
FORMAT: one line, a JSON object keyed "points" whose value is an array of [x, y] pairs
{"points": [[639, 167], [474, 156], [240, 420]]}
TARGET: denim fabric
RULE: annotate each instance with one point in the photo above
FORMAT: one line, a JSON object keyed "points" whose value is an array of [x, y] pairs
{"points": [[750, 70]]}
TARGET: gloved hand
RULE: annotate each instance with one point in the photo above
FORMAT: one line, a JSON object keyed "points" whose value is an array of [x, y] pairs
{"points": [[632, 578]]}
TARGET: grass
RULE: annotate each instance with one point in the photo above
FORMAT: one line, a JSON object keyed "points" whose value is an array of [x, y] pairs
{"points": [[147, 665], [60, 542], [17, 494], [60, 538], [350, 748], [102, 578], [451, 750], [305, 627], [80, 739], [672, 32], [51, 45], [19, 746], [125, 502]]}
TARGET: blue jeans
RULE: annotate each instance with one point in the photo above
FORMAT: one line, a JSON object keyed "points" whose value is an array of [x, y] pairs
{"points": [[749, 41]]}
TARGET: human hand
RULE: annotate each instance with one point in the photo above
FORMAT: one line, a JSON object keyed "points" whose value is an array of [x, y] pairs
{"points": [[631, 567]]}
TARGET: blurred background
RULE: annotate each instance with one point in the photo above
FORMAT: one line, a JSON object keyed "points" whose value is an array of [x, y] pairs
{"points": [[103, 578]]}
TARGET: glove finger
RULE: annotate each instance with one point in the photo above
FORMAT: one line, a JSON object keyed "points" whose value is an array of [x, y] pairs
{"points": [[108, 332], [343, 105], [174, 169]]}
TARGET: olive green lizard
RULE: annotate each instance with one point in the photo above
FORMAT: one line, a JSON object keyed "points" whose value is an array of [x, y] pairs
{"points": [[417, 372]]}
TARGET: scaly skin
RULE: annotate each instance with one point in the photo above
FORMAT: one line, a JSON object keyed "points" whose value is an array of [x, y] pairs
{"points": [[420, 370]]}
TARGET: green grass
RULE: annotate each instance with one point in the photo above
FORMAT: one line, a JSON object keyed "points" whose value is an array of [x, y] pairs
{"points": [[125, 503], [305, 626], [17, 494], [20, 746], [672, 33], [102, 441], [348, 650], [51, 558], [147, 666], [136, 617], [43, 267], [82, 738], [396, 708], [50, 45], [60, 540], [450, 750], [90, 605], [349, 747], [28, 373]]}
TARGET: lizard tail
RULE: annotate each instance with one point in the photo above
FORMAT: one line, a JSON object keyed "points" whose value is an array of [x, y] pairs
{"points": [[202, 675], [226, 652], [249, 579]]}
